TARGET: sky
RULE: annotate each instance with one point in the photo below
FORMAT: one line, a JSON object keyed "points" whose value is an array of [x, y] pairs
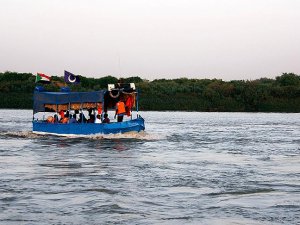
{"points": [[152, 39]]}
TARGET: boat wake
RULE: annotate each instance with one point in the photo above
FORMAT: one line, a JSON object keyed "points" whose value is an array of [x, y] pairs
{"points": [[19, 134], [130, 135]]}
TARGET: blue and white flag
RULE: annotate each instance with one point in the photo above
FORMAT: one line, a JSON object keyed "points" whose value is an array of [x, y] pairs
{"points": [[70, 78]]}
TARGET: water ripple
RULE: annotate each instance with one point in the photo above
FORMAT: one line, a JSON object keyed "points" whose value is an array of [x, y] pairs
{"points": [[187, 168]]}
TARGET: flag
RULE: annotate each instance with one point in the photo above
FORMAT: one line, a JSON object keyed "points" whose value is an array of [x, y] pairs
{"points": [[70, 78], [40, 77]]}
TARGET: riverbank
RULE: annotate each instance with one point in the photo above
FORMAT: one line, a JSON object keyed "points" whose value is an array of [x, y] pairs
{"points": [[281, 94]]}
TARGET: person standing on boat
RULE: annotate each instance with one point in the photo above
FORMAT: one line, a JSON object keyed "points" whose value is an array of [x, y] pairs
{"points": [[120, 110]]}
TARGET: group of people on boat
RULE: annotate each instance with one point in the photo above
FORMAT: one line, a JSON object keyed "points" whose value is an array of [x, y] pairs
{"points": [[94, 116], [66, 117], [81, 119]]}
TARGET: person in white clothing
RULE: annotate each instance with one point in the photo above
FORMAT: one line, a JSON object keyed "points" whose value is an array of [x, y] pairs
{"points": [[98, 119]]}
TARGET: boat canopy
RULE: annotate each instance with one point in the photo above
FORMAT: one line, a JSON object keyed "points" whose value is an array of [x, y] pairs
{"points": [[58, 98]]}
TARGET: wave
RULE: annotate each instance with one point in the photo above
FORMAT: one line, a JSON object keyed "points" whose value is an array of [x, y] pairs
{"points": [[19, 134], [242, 192], [130, 135]]}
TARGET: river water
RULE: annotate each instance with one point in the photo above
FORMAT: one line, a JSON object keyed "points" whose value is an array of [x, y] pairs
{"points": [[186, 168]]}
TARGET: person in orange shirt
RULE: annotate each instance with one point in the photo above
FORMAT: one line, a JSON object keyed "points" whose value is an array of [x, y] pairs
{"points": [[120, 110]]}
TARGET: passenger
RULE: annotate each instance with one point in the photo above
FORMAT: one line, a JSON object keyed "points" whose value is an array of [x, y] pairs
{"points": [[99, 109], [50, 119], [98, 119], [64, 120], [55, 118], [62, 114], [73, 119], [120, 110], [67, 114], [90, 112], [91, 119], [106, 119], [82, 118]]}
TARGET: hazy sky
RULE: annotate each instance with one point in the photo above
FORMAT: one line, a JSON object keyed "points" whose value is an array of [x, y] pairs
{"points": [[224, 39]]}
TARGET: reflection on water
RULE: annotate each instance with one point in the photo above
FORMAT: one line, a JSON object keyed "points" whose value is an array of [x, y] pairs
{"points": [[186, 168]]}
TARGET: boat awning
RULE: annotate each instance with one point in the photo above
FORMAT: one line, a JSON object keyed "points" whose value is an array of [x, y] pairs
{"points": [[42, 98]]}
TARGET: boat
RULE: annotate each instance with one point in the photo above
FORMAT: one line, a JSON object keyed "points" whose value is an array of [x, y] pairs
{"points": [[48, 106]]}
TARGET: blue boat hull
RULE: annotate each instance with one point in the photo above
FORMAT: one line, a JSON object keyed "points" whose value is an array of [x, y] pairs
{"points": [[136, 125]]}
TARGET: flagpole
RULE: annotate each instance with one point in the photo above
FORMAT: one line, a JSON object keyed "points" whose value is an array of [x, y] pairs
{"points": [[137, 103], [119, 66]]}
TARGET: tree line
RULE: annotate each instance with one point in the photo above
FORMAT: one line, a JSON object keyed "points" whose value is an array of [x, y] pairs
{"points": [[281, 94]]}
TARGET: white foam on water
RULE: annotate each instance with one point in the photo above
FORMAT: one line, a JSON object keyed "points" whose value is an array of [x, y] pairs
{"points": [[20, 134], [129, 135]]}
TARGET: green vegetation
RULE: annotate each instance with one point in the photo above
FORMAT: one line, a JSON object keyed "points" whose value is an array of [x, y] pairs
{"points": [[263, 95]]}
